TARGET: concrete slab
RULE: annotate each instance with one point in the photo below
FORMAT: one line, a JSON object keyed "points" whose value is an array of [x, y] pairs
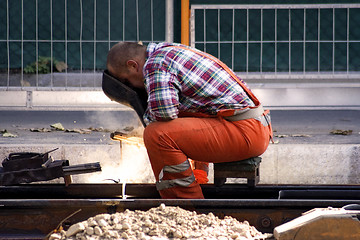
{"points": [[275, 93], [311, 164]]}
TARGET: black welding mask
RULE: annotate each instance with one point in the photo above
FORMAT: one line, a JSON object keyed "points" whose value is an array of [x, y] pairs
{"points": [[124, 94]]}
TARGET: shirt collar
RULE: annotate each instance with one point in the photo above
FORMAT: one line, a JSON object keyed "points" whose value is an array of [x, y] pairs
{"points": [[152, 47]]}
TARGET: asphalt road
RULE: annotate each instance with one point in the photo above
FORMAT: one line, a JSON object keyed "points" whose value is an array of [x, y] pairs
{"points": [[82, 127], [290, 126]]}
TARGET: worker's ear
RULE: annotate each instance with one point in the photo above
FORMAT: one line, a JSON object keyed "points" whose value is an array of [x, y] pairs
{"points": [[132, 65]]}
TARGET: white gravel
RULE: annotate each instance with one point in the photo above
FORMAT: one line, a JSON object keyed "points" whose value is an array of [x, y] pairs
{"points": [[163, 222]]}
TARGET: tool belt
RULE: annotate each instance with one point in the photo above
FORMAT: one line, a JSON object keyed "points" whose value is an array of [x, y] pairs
{"points": [[258, 113], [246, 114]]}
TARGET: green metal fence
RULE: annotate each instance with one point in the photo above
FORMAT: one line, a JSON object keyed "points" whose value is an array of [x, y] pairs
{"points": [[278, 39], [264, 41], [74, 36]]}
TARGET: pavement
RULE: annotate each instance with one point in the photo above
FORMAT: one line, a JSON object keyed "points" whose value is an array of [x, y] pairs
{"points": [[311, 146], [316, 126], [81, 127], [290, 126]]}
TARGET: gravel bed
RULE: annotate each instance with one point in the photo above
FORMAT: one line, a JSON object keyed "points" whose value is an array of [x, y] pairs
{"points": [[163, 222]]}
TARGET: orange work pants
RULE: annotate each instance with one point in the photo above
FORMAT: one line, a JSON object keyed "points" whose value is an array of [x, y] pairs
{"points": [[171, 144]]}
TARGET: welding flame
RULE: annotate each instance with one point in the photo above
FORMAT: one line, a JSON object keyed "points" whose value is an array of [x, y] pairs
{"points": [[127, 163], [131, 165]]}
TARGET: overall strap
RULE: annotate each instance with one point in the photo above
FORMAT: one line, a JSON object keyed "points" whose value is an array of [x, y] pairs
{"points": [[228, 70]]}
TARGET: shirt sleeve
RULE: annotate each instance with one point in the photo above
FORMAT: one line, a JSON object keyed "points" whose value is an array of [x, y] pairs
{"points": [[163, 96]]}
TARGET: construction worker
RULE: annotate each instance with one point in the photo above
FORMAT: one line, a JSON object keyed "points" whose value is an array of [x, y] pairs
{"points": [[198, 112]]}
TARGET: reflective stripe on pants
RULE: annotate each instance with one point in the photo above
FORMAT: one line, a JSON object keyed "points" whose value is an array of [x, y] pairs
{"points": [[183, 182]]}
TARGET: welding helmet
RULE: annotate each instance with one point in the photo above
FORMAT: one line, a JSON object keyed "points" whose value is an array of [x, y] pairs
{"points": [[120, 92]]}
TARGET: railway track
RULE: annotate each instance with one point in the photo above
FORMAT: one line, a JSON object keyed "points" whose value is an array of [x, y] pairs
{"points": [[31, 211]]}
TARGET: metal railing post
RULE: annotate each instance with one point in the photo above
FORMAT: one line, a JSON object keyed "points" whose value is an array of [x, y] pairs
{"points": [[169, 21], [185, 16]]}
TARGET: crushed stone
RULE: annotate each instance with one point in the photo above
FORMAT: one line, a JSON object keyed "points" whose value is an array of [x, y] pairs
{"points": [[163, 222]]}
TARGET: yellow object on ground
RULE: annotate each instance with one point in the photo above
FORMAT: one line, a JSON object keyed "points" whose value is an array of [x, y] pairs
{"points": [[322, 224], [118, 136]]}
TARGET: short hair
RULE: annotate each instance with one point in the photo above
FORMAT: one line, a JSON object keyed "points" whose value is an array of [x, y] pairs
{"points": [[121, 52]]}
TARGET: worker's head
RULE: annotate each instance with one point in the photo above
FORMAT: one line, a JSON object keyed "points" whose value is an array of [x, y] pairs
{"points": [[125, 61]]}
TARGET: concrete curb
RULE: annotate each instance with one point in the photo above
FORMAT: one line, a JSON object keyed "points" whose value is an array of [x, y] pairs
{"points": [[281, 164], [311, 164], [272, 94]]}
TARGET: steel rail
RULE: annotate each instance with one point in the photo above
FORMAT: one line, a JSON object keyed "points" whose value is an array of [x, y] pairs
{"points": [[148, 191]]}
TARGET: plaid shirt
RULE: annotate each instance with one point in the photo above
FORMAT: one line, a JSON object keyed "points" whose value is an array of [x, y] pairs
{"points": [[178, 80]]}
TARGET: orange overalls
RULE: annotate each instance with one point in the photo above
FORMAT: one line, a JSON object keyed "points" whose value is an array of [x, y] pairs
{"points": [[170, 145]]}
